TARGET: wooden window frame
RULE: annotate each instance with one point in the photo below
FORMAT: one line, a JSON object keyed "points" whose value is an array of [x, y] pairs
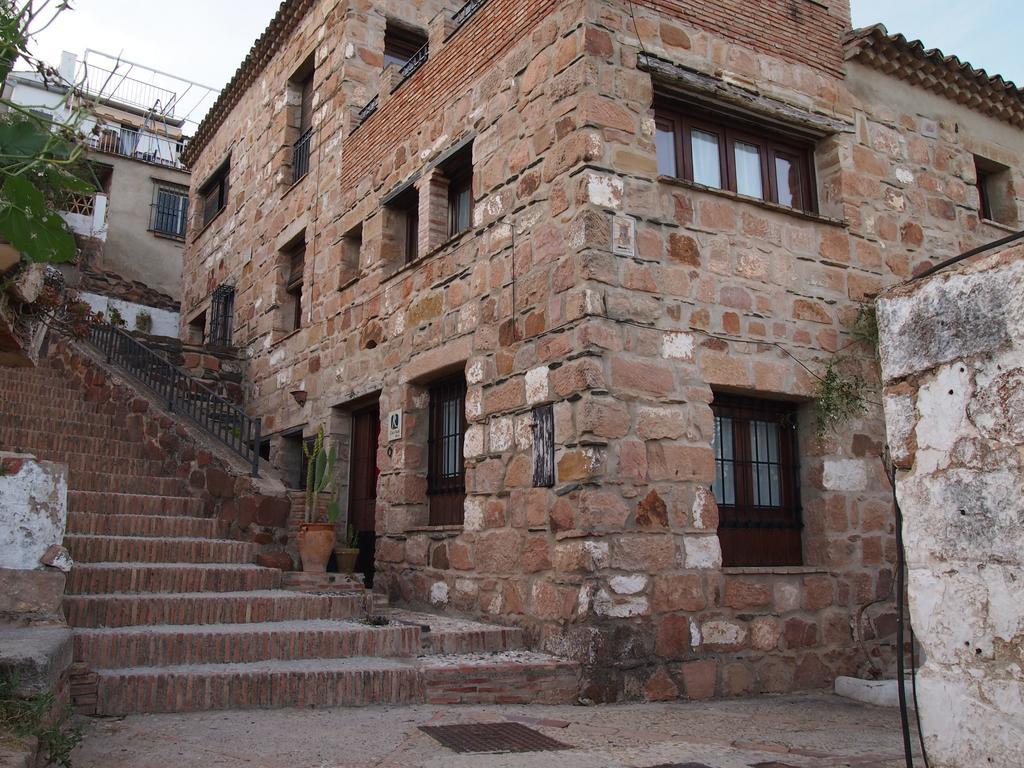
{"points": [[459, 172], [401, 43], [293, 286], [446, 494], [215, 190], [751, 534], [683, 121]]}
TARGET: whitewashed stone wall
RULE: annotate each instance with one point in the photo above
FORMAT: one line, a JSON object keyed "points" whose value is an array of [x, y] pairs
{"points": [[953, 362]]}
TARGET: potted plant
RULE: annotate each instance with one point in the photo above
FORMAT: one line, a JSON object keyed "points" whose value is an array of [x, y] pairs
{"points": [[347, 553], [316, 537]]}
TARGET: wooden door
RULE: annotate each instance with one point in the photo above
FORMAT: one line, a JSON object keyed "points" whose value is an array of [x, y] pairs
{"points": [[362, 499]]}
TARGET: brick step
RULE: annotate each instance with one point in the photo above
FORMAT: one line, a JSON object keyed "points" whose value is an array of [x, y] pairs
{"points": [[136, 549], [238, 643], [91, 462], [143, 485], [61, 426], [58, 443], [102, 578], [348, 682], [255, 606], [514, 677], [444, 635], [40, 381], [78, 410], [147, 525], [134, 504]]}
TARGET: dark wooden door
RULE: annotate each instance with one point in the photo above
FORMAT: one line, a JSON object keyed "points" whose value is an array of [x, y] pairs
{"points": [[362, 499]]}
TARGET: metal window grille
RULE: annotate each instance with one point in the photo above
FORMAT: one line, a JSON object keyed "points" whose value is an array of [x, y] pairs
{"points": [[757, 482], [170, 212], [446, 471], [222, 318], [300, 155], [466, 11]]}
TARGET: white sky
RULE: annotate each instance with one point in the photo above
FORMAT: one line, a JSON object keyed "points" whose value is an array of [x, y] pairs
{"points": [[206, 40]]}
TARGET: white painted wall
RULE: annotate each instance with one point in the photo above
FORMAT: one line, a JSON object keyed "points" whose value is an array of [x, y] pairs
{"points": [[953, 363], [165, 322], [33, 510]]}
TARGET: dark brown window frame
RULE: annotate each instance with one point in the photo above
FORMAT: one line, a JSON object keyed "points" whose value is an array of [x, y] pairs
{"points": [[215, 190], [752, 534], [401, 42], [296, 266], [682, 121], [407, 205], [446, 492], [459, 171]]}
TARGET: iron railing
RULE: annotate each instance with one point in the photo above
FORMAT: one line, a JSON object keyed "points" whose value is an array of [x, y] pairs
{"points": [[170, 213], [214, 414], [369, 109], [141, 145], [408, 69], [462, 15], [300, 155]]}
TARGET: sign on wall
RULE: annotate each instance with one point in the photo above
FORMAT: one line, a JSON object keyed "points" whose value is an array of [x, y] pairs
{"points": [[623, 236], [395, 425]]}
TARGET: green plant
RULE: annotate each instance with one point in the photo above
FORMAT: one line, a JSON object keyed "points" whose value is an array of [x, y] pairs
{"points": [[115, 318], [351, 540], [320, 477], [839, 397], [26, 717], [144, 321], [41, 162]]}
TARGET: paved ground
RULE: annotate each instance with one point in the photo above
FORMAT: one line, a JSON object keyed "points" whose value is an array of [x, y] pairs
{"points": [[809, 731]]}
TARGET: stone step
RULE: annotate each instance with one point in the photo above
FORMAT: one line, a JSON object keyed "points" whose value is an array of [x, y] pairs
{"points": [[348, 682], [134, 504], [136, 549], [255, 606], [145, 485], [91, 462], [147, 525], [101, 578], [158, 646]]}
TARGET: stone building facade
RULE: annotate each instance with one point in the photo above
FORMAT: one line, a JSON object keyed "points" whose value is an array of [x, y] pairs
{"points": [[577, 239]]}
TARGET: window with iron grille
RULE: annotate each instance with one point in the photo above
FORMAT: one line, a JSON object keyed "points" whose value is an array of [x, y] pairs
{"points": [[302, 84], [446, 471], [170, 211], [222, 315], [757, 481], [214, 193], [401, 43]]}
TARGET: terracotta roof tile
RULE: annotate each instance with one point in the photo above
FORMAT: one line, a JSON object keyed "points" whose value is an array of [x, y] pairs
{"points": [[930, 68]]}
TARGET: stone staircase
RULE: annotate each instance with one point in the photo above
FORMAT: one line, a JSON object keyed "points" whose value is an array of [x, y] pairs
{"points": [[170, 615]]}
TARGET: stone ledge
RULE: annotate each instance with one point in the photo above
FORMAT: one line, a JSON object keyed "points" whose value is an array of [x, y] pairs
{"points": [[36, 656]]}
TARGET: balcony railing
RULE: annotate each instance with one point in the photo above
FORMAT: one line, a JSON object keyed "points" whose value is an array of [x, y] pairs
{"points": [[462, 15], [408, 69], [119, 88], [140, 145], [300, 155], [418, 60], [215, 415]]}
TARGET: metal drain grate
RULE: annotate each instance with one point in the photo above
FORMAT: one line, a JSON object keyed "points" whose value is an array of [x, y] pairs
{"points": [[492, 738]]}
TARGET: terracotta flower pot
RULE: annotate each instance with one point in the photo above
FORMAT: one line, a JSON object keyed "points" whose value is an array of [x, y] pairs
{"points": [[316, 542], [346, 559]]}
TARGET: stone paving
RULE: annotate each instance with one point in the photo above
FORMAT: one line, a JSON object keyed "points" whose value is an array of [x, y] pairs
{"points": [[806, 731]]}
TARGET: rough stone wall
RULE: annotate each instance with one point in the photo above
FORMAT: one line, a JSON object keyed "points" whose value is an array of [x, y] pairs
{"points": [[953, 362], [33, 517], [619, 564]]}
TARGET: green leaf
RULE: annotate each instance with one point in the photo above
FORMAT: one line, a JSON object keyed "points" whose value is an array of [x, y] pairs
{"points": [[21, 138], [40, 234], [333, 511]]}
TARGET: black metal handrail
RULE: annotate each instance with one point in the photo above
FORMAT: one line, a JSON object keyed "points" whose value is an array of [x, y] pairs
{"points": [[369, 109], [215, 415], [300, 155]]}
